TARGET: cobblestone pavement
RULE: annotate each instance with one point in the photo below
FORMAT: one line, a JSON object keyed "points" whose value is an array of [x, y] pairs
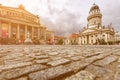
{"points": [[32, 62]]}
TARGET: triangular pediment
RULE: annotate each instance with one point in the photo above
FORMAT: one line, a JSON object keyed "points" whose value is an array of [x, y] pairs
{"points": [[89, 30]]}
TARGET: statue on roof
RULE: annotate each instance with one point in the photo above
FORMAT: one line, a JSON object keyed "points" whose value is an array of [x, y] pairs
{"points": [[21, 7]]}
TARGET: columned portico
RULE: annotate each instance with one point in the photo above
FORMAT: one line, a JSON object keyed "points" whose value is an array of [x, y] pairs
{"points": [[95, 33], [26, 31], [0, 28], [32, 32], [9, 30], [15, 23], [38, 33], [18, 31], [87, 39]]}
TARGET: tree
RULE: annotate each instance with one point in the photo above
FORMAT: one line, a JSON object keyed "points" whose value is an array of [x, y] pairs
{"points": [[102, 41], [60, 41]]}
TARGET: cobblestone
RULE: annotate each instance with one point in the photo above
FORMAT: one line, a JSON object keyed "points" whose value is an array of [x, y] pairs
{"points": [[51, 62], [106, 60], [58, 62], [82, 75], [10, 74]]}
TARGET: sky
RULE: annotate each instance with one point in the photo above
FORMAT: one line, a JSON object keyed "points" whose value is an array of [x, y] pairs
{"points": [[69, 16]]}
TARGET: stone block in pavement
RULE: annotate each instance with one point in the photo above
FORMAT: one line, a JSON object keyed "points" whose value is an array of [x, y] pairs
{"points": [[42, 61], [17, 65], [75, 58], [119, 60], [89, 54], [82, 75], [17, 72], [58, 62], [53, 53], [78, 65], [49, 73], [117, 74], [107, 60], [41, 57], [100, 72], [13, 55], [18, 60], [22, 78], [1, 61], [97, 57], [117, 53]]}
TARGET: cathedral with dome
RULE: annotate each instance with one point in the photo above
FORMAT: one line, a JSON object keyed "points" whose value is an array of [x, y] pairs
{"points": [[95, 32]]}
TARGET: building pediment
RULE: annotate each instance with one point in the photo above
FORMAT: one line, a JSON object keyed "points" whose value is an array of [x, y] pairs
{"points": [[88, 30]]}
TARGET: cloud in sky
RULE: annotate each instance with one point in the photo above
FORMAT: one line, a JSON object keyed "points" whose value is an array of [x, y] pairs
{"points": [[67, 16]]}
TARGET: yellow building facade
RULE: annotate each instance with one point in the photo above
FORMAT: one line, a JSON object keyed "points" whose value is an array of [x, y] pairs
{"points": [[95, 32], [15, 23], [50, 37]]}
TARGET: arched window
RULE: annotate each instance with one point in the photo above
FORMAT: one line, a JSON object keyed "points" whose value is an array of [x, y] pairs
{"points": [[95, 22]]}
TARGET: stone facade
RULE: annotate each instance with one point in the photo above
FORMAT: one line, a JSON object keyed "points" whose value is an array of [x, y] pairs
{"points": [[95, 31], [15, 23], [50, 37], [72, 39], [117, 36]]}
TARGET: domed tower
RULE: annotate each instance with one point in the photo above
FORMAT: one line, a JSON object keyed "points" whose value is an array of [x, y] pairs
{"points": [[95, 17]]}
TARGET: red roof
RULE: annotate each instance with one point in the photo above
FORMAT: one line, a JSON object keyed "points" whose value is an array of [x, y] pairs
{"points": [[73, 35]]}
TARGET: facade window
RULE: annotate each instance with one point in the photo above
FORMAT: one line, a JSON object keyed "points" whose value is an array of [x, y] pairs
{"points": [[96, 36], [103, 35]]}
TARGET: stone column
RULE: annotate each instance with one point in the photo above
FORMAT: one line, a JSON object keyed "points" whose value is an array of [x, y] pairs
{"points": [[82, 40], [0, 28], [9, 30], [26, 31], [94, 38], [32, 32], [38, 33], [18, 31], [85, 39], [90, 39], [45, 34]]}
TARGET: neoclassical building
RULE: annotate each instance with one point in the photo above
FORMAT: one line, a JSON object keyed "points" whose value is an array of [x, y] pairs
{"points": [[72, 39], [15, 23], [95, 31]]}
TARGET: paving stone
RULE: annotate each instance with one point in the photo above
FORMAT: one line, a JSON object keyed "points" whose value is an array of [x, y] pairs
{"points": [[117, 75], [75, 58], [53, 53], [11, 66], [50, 73], [119, 60], [70, 52], [76, 66], [117, 53], [22, 78], [55, 57], [15, 55], [106, 60], [41, 57], [42, 61], [58, 62], [97, 57], [10, 74], [82, 75], [18, 60], [99, 72], [89, 54], [1, 61]]}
